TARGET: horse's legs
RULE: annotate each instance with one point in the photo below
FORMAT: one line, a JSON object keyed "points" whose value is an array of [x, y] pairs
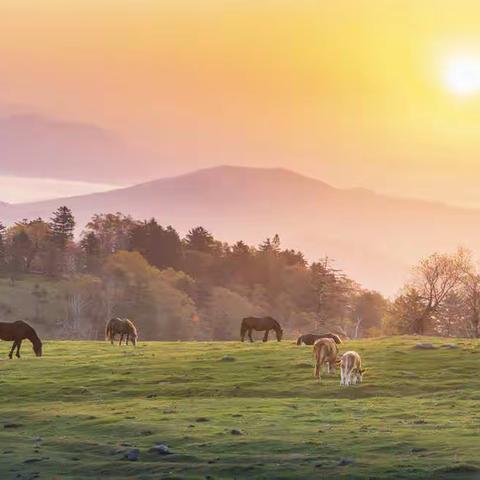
{"points": [[265, 337], [10, 355], [19, 344], [112, 338], [121, 338], [128, 337], [250, 335]]}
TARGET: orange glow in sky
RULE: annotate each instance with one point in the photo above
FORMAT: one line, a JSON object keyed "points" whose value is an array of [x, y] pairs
{"points": [[380, 93]]}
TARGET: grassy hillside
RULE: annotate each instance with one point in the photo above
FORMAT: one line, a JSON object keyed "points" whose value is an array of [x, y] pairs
{"points": [[74, 412], [19, 302]]}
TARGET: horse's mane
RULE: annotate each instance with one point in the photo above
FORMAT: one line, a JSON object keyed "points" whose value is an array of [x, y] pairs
{"points": [[132, 326], [276, 324]]}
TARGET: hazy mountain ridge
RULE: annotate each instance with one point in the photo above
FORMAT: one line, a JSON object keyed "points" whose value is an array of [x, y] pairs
{"points": [[375, 238], [47, 147]]}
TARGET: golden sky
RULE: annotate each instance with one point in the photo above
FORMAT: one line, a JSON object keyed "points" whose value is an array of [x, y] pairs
{"points": [[355, 92]]}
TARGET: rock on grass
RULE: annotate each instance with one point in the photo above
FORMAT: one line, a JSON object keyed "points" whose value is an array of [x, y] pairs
{"points": [[132, 455], [451, 346], [425, 346], [202, 420], [227, 358], [161, 449]]}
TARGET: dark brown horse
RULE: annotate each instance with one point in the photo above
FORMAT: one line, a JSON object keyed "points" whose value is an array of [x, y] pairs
{"points": [[122, 327], [18, 331], [263, 324], [310, 338]]}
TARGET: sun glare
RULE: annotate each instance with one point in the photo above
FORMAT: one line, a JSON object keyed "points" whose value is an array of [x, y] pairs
{"points": [[461, 75]]}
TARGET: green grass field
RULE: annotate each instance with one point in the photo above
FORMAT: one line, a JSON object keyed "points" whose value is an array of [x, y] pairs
{"points": [[74, 412]]}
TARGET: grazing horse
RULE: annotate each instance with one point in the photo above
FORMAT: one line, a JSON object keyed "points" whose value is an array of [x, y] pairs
{"points": [[310, 338], [123, 327], [260, 324], [18, 331], [351, 369], [325, 352]]}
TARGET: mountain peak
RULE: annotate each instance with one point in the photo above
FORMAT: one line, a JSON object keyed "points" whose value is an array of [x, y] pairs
{"points": [[245, 176]]}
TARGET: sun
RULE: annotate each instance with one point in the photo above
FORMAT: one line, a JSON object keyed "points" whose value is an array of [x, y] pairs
{"points": [[461, 75]]}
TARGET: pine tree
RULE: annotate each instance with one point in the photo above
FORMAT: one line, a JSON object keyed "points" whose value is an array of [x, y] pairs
{"points": [[62, 225], [90, 244], [199, 239]]}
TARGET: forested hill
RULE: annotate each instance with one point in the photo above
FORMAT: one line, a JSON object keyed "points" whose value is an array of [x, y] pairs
{"points": [[372, 237]]}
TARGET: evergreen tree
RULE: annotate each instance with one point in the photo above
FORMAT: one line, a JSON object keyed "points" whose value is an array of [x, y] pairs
{"points": [[62, 225], [200, 239], [160, 246], [90, 244]]}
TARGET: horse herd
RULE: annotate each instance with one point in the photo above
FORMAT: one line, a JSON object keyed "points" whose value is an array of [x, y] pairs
{"points": [[325, 347]]}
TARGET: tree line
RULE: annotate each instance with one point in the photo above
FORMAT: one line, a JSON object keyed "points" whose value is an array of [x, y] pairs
{"points": [[198, 287]]}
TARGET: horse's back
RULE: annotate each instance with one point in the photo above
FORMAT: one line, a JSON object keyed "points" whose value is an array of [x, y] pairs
{"points": [[260, 323], [15, 330]]}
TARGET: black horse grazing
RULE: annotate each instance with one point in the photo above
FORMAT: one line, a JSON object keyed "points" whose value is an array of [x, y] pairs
{"points": [[123, 327], [260, 324], [18, 331], [310, 338]]}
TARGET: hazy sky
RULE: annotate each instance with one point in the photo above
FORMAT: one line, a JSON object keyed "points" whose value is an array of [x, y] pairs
{"points": [[382, 94]]}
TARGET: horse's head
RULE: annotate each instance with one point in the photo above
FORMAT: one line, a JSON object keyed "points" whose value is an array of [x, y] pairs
{"points": [[279, 333], [37, 347]]}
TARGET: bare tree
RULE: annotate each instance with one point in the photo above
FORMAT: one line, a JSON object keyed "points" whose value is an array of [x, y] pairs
{"points": [[435, 278], [471, 298]]}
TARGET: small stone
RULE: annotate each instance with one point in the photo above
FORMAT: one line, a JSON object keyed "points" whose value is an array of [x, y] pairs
{"points": [[146, 433], [419, 422], [236, 431], [37, 439], [161, 449], [418, 449], [32, 460], [425, 346], [345, 461], [228, 358], [451, 346], [132, 455], [202, 420]]}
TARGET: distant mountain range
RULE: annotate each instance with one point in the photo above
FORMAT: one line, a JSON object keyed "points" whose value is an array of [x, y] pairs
{"points": [[374, 238], [46, 147]]}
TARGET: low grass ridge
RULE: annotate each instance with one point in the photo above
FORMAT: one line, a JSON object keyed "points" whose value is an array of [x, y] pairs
{"points": [[72, 413]]}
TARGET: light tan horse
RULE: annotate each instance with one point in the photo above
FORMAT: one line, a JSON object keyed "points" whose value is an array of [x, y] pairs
{"points": [[325, 352], [123, 327]]}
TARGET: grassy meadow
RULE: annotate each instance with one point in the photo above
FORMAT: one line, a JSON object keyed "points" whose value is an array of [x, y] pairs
{"points": [[232, 410]]}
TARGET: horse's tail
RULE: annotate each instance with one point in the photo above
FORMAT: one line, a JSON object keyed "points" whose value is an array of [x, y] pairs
{"points": [[299, 340], [108, 330], [316, 360], [243, 328], [336, 339]]}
